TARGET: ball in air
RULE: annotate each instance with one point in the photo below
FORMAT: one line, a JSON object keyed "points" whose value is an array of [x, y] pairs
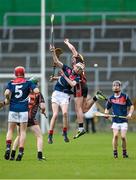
{"points": [[95, 65]]}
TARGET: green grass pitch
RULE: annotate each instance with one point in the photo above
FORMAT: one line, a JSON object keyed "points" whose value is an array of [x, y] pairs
{"points": [[88, 157]]}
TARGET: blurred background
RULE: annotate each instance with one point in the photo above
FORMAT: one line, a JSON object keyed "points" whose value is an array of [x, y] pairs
{"points": [[103, 31]]}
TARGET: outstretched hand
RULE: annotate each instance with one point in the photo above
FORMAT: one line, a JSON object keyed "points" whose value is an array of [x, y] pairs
{"points": [[66, 41], [53, 78], [52, 48]]}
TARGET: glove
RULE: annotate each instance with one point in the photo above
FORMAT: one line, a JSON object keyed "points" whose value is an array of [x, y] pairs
{"points": [[58, 52]]}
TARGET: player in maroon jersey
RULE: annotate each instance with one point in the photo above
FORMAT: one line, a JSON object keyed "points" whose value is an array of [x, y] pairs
{"points": [[81, 91]]}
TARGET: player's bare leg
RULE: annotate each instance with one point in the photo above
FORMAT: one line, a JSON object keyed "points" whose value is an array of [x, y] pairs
{"points": [[15, 144], [23, 127], [64, 109], [14, 147], [55, 109], [88, 104], [38, 134], [91, 100], [115, 143], [80, 116], [124, 143], [11, 127]]}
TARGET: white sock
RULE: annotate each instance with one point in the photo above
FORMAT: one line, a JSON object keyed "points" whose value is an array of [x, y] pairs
{"points": [[81, 129]]}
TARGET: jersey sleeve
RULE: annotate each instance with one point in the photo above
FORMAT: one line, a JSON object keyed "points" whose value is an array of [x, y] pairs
{"points": [[128, 101], [32, 85], [108, 104], [64, 67], [8, 86]]}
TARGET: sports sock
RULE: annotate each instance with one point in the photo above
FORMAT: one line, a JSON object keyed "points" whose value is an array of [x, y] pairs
{"points": [[124, 152], [21, 150], [51, 132], [81, 127], [39, 155], [115, 152], [64, 130], [8, 144]]}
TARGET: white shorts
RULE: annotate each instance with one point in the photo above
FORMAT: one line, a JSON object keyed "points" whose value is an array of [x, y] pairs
{"points": [[120, 126], [18, 117], [60, 98]]}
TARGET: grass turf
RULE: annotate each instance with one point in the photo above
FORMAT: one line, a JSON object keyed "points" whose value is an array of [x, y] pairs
{"points": [[88, 157]]}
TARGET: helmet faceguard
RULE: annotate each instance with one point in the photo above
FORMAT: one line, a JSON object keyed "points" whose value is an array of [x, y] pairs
{"points": [[78, 68]]}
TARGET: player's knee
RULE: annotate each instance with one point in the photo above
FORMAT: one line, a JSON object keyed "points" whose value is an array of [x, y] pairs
{"points": [[115, 136], [123, 138], [39, 136], [22, 133], [55, 115], [65, 114]]}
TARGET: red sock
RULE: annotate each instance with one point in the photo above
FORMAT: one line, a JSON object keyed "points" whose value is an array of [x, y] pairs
{"points": [[21, 149], [50, 131], [8, 143], [64, 129]]}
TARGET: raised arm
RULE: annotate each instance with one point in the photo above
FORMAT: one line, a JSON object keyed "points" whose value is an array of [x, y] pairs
{"points": [[55, 58], [71, 47]]}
